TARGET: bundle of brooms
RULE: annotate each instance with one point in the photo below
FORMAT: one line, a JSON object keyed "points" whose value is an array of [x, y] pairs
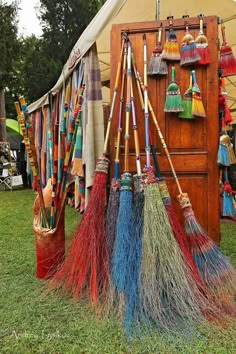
{"points": [[86, 267], [214, 268]]}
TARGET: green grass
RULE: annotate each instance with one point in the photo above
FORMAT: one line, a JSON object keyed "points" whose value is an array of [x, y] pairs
{"points": [[32, 323]]}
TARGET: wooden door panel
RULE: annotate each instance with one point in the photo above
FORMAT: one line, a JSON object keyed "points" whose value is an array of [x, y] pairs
{"points": [[193, 144]]}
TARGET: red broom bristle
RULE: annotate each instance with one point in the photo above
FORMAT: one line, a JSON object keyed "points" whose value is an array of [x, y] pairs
{"points": [[227, 61], [86, 265], [214, 268], [212, 311], [204, 55], [228, 117]]}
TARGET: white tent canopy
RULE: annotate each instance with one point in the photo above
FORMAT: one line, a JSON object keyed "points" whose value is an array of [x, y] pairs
{"points": [[129, 11]]}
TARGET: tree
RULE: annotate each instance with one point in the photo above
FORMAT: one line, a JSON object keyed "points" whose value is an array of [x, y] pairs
{"points": [[9, 49], [62, 21]]}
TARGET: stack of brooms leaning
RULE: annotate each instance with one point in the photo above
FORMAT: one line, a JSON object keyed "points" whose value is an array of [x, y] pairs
{"points": [[131, 255]]}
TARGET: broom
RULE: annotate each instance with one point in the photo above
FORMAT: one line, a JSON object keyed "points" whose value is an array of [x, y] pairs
{"points": [[113, 202], [227, 61], [30, 148], [132, 307], [157, 66], [165, 293], [197, 104], [202, 45], [173, 102], [187, 102], [188, 51], [205, 300], [214, 268], [72, 133], [120, 258], [86, 266], [171, 47]]}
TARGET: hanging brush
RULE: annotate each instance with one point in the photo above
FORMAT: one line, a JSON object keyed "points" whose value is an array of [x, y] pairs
{"points": [[187, 101], [86, 269], [124, 218], [188, 51], [228, 203], [227, 114], [157, 66], [173, 101], [227, 61], [198, 109], [202, 45], [113, 202], [225, 139], [171, 46]]}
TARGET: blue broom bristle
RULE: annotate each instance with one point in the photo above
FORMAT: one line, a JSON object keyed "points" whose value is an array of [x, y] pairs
{"points": [[228, 205], [223, 155], [111, 217], [134, 265], [124, 220]]}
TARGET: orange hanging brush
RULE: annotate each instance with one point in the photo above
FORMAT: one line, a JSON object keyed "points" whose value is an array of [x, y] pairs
{"points": [[197, 104], [171, 46]]}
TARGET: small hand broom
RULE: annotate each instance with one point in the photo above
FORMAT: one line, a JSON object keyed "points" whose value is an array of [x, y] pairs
{"points": [[85, 269], [202, 45], [198, 109], [227, 61], [171, 46], [157, 66], [173, 101], [187, 101], [188, 51]]}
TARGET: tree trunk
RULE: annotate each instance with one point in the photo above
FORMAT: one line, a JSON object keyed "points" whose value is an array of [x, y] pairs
{"points": [[3, 129]]}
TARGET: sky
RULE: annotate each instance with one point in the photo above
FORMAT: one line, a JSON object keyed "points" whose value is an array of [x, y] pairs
{"points": [[28, 21]]}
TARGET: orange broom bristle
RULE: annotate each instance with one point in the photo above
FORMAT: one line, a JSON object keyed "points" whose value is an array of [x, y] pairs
{"points": [[197, 104], [171, 46]]}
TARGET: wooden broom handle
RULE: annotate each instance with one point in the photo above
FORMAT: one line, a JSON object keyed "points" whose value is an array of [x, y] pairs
{"points": [[128, 107], [136, 139], [119, 129], [140, 83], [223, 32], [118, 72]]}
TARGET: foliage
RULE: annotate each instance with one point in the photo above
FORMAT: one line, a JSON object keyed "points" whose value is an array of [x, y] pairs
{"points": [[9, 45], [32, 323]]}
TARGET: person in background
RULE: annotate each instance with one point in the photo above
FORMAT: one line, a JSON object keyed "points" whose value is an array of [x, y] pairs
{"points": [[21, 164]]}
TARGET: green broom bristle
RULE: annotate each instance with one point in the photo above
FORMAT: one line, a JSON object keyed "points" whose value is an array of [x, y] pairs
{"points": [[166, 294], [173, 101], [187, 102]]}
